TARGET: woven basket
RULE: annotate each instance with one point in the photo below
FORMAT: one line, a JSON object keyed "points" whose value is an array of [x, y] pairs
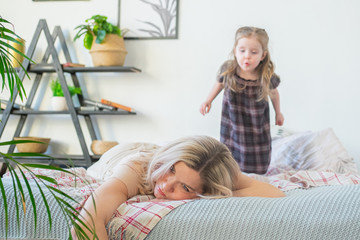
{"points": [[99, 147], [33, 147], [108, 57], [111, 52]]}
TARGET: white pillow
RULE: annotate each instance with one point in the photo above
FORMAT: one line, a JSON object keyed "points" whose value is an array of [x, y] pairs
{"points": [[320, 151]]}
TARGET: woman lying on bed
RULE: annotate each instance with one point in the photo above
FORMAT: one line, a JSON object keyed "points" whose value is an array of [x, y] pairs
{"points": [[192, 167]]}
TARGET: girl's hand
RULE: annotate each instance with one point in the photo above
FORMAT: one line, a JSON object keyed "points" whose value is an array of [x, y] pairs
{"points": [[205, 108], [279, 119]]}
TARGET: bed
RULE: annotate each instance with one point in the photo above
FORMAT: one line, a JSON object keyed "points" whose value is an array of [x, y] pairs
{"points": [[320, 179]]}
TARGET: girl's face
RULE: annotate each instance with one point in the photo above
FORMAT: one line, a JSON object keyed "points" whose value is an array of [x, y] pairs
{"points": [[249, 53], [179, 183]]}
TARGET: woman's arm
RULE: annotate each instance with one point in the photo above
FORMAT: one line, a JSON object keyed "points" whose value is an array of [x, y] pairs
{"points": [[275, 99], [249, 187], [108, 197]]}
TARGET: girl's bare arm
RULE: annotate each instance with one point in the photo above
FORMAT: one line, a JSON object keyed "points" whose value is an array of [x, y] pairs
{"points": [[216, 89], [275, 99]]}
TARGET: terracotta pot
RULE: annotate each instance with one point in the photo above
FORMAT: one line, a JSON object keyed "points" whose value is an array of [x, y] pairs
{"points": [[111, 52]]}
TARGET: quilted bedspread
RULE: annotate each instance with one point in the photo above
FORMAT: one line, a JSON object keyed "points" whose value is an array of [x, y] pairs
{"points": [[328, 212], [319, 205]]}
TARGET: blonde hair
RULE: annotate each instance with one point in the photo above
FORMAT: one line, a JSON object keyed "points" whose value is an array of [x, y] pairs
{"points": [[206, 155], [265, 67]]}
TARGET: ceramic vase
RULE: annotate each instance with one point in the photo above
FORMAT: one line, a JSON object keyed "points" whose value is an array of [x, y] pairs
{"points": [[17, 58], [58, 104]]}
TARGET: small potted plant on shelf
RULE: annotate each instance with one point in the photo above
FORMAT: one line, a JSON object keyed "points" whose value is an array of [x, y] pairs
{"points": [[104, 40], [58, 101]]}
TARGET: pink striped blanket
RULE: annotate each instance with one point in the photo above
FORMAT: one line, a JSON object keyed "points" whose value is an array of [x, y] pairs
{"points": [[135, 218]]}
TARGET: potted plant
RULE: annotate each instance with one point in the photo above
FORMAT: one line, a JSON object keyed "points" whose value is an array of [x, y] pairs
{"points": [[58, 101], [10, 77], [104, 40]]}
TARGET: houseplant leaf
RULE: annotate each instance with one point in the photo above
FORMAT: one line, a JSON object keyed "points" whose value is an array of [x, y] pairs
{"points": [[97, 26], [88, 40], [58, 92], [6, 68]]}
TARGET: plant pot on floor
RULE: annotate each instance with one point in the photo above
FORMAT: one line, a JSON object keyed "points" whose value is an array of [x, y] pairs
{"points": [[111, 52], [58, 103]]}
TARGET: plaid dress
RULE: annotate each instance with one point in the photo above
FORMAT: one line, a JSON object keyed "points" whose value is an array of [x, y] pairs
{"points": [[245, 125]]}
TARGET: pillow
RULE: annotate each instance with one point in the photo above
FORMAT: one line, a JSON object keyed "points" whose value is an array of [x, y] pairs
{"points": [[320, 150]]}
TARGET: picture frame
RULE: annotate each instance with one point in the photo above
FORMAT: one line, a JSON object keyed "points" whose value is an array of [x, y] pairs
{"points": [[149, 19], [57, 0]]}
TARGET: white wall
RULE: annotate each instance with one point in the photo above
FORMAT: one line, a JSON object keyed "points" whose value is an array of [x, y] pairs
{"points": [[314, 44]]}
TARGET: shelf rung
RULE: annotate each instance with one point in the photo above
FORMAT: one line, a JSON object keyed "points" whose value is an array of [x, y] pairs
{"points": [[47, 67], [76, 160], [80, 112]]}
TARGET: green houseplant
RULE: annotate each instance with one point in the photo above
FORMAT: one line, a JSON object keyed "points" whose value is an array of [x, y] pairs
{"points": [[58, 92], [58, 101], [104, 40], [97, 26], [11, 79]]}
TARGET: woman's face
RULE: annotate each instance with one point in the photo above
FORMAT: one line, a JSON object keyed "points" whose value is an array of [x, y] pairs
{"points": [[179, 183]]}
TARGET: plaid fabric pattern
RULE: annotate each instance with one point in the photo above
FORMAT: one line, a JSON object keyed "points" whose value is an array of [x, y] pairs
{"points": [[135, 218], [290, 179], [245, 125]]}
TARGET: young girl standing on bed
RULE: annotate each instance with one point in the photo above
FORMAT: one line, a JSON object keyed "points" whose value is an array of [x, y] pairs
{"points": [[248, 80]]}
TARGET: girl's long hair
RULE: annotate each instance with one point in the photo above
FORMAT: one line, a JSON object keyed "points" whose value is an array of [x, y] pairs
{"points": [[265, 67]]}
